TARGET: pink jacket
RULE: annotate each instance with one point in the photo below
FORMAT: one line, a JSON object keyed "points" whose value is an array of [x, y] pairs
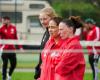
{"points": [[50, 56], [72, 64]]}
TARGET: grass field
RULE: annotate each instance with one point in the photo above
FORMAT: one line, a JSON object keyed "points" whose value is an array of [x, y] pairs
{"points": [[29, 76], [25, 60], [29, 61]]}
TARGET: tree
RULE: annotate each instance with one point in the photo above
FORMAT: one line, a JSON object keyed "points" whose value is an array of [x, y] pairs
{"points": [[95, 2]]}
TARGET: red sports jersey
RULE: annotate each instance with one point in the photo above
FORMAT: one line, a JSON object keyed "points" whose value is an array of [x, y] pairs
{"points": [[50, 57], [93, 35], [72, 64], [8, 33]]}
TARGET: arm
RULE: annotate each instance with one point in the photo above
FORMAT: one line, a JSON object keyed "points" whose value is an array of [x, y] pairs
{"points": [[69, 62], [1, 45], [17, 46], [97, 38], [97, 34]]}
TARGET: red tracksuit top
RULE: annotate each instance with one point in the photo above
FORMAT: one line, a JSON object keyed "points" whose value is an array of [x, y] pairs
{"points": [[50, 57], [72, 64], [8, 33], [93, 35]]}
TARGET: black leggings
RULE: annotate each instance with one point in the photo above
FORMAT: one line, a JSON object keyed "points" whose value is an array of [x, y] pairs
{"points": [[12, 58], [92, 61]]}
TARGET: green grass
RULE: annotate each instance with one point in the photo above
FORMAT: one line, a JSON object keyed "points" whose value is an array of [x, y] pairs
{"points": [[30, 76], [22, 76], [30, 61], [25, 60], [88, 76]]}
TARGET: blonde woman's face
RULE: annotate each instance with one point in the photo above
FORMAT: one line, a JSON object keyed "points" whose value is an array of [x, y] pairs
{"points": [[53, 29], [44, 19]]}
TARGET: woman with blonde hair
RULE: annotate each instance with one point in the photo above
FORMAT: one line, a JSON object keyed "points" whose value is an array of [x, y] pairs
{"points": [[46, 14]]}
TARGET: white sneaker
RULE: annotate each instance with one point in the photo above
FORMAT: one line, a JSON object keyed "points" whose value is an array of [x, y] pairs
{"points": [[8, 77]]}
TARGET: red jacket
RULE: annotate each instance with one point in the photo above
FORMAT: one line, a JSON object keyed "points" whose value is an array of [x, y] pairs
{"points": [[49, 56], [72, 64], [8, 33], [93, 35]]}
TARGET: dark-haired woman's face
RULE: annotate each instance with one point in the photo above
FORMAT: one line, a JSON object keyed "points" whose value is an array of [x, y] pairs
{"points": [[53, 29], [64, 30]]}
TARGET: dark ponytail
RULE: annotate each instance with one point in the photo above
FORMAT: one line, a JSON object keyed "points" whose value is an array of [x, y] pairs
{"points": [[73, 21], [76, 20]]}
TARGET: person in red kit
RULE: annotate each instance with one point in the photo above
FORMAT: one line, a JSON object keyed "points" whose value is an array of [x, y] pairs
{"points": [[50, 52], [8, 31], [45, 15], [93, 34], [72, 64]]}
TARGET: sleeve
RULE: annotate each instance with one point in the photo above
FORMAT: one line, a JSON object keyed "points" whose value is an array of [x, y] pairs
{"points": [[0, 37], [97, 34], [44, 39], [68, 63], [16, 34], [97, 38]]}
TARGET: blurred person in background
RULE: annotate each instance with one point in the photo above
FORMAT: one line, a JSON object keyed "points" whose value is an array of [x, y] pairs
{"points": [[92, 34], [46, 14], [50, 54], [71, 66], [8, 32]]}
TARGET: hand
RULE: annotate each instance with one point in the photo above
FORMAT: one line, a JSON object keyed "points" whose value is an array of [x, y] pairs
{"points": [[22, 50], [37, 73], [96, 56], [1, 50]]}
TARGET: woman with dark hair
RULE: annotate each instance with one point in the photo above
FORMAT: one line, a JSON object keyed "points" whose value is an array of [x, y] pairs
{"points": [[50, 52], [71, 66]]}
